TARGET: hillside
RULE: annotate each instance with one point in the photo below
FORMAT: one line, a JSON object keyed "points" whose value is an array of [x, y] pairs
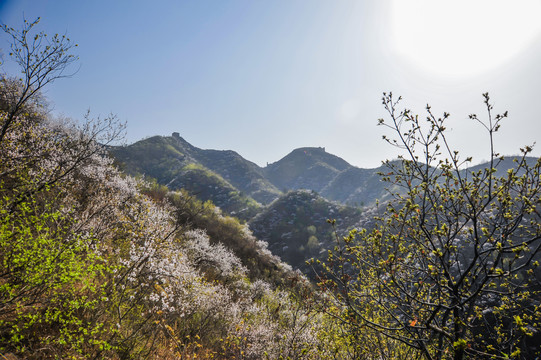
{"points": [[237, 185], [176, 257], [97, 264], [356, 187], [224, 177], [296, 228], [251, 193]]}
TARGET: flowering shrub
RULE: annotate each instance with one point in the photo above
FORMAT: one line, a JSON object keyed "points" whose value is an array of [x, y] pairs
{"points": [[214, 258]]}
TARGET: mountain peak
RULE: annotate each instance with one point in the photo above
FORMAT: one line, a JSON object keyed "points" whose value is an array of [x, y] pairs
{"points": [[305, 168], [310, 150]]}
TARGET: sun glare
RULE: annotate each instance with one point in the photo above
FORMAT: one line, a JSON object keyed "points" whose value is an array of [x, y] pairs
{"points": [[462, 38]]}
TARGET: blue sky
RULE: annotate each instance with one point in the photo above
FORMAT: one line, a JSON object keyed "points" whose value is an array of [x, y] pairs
{"points": [[265, 77]]}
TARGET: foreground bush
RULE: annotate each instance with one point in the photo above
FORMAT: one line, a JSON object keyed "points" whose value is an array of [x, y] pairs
{"points": [[452, 270]]}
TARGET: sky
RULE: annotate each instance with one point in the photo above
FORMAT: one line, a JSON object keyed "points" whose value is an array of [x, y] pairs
{"points": [[265, 77]]}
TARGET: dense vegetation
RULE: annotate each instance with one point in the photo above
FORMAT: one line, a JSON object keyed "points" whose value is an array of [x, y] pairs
{"points": [[95, 263], [452, 269], [295, 226]]}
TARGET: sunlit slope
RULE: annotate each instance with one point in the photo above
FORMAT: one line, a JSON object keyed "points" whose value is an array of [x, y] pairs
{"points": [[224, 177]]}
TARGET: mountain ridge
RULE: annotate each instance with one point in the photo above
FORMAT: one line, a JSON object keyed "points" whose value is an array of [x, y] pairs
{"points": [[174, 162], [285, 203], [224, 174]]}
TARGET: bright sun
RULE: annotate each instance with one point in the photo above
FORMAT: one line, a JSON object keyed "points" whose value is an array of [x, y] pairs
{"points": [[461, 38]]}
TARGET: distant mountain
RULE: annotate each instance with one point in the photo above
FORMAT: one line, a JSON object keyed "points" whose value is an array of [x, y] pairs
{"points": [[241, 173], [305, 168], [312, 168], [234, 184], [239, 186], [509, 162], [356, 187]]}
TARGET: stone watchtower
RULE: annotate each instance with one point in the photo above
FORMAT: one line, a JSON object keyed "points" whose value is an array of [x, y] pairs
{"points": [[176, 135]]}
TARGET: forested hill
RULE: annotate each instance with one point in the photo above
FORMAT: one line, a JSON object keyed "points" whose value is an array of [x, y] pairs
{"points": [[240, 186], [285, 203]]}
